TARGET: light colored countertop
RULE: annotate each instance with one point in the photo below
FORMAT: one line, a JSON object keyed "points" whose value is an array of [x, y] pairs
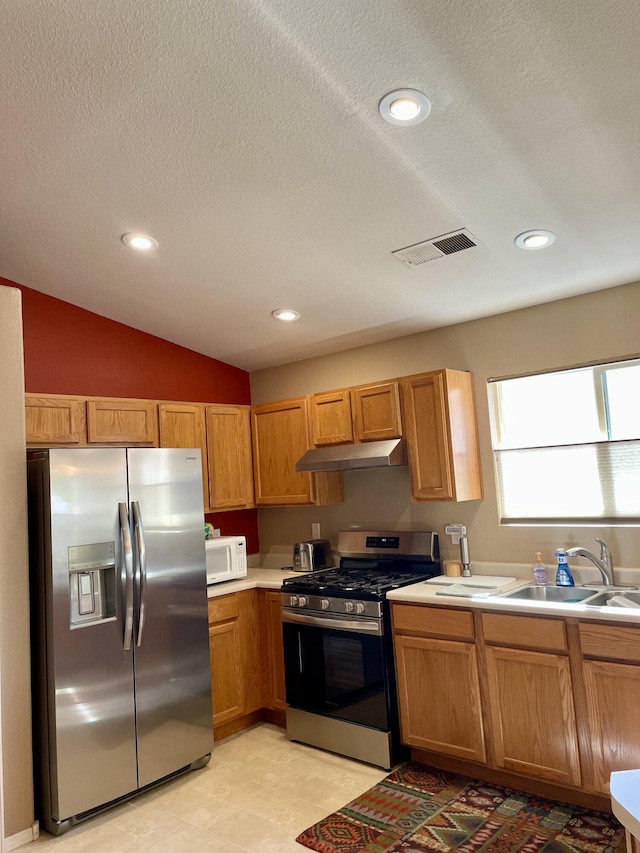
{"points": [[428, 593], [257, 578], [269, 575], [625, 799]]}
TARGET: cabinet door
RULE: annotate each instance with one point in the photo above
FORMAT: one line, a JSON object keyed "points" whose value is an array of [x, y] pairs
{"points": [[376, 411], [183, 425], [442, 441], [276, 694], [613, 700], [439, 696], [55, 420], [229, 457], [425, 414], [122, 422], [226, 683], [280, 437], [331, 418], [234, 644], [532, 714]]}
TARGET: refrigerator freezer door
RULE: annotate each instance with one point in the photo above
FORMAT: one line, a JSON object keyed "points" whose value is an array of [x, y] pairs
{"points": [[172, 669], [89, 675]]}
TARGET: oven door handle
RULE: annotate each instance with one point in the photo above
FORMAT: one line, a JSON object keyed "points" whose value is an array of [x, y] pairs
{"points": [[359, 626]]}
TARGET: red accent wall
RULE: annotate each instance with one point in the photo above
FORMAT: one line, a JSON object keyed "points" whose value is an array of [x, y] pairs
{"points": [[68, 350]]}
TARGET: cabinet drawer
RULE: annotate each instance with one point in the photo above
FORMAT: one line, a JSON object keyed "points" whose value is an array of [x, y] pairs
{"points": [[610, 641], [433, 621], [533, 632], [223, 608]]}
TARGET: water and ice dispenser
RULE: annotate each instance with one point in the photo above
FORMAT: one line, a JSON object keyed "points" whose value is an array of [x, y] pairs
{"points": [[92, 583]]}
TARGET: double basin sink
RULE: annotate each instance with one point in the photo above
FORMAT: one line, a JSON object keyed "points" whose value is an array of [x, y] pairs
{"points": [[608, 596]]}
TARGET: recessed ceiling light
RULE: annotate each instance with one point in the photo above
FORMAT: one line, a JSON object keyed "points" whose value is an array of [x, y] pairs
{"points": [[404, 107], [285, 314], [142, 242], [538, 239]]}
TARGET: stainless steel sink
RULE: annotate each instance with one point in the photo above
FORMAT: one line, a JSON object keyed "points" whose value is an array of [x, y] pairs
{"points": [[556, 594], [602, 598]]}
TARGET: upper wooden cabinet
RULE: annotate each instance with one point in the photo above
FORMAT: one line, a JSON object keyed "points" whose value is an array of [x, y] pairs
{"points": [[280, 434], [442, 440], [122, 422], [365, 413], [229, 457], [331, 421], [55, 420], [376, 411], [223, 434], [183, 425]]}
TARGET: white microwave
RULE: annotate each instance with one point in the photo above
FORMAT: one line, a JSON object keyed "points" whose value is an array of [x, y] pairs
{"points": [[226, 558]]}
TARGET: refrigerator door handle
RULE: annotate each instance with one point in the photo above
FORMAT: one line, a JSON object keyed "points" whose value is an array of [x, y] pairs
{"points": [[127, 551], [142, 562]]}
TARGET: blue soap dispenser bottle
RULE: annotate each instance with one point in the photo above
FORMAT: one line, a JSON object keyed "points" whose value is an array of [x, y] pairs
{"points": [[563, 574]]}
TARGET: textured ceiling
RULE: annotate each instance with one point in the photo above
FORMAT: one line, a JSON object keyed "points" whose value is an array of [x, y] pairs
{"points": [[244, 136]]}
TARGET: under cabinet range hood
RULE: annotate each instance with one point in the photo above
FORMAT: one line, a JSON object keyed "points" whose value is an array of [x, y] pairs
{"points": [[348, 457]]}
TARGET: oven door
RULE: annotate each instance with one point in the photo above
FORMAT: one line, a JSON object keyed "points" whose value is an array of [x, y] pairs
{"points": [[337, 666]]}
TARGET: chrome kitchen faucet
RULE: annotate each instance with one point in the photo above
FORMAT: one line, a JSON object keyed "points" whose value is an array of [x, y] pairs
{"points": [[604, 564]]}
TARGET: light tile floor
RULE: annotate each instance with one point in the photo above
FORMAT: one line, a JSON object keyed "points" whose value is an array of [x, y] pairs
{"points": [[257, 794]]}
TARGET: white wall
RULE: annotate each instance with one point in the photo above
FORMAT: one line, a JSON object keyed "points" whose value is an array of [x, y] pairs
{"points": [[17, 774], [596, 326]]}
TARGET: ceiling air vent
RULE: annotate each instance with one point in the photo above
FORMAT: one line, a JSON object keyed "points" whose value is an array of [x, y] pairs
{"points": [[438, 247]]}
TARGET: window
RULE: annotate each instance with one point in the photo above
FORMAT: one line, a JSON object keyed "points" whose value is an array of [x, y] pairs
{"points": [[567, 445]]}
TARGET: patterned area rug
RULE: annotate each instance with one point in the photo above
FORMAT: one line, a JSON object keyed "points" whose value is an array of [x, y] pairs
{"points": [[417, 809]]}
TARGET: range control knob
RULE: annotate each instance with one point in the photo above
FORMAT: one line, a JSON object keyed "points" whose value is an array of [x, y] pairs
{"points": [[293, 601], [302, 601], [348, 606], [360, 607], [324, 604]]}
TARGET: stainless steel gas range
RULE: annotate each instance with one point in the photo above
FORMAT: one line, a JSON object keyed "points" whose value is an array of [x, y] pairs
{"points": [[339, 669]]}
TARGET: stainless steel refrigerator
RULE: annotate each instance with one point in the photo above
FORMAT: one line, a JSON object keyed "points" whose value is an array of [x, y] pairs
{"points": [[120, 640]]}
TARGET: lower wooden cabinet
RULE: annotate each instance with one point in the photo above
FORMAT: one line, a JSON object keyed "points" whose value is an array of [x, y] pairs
{"points": [[439, 696], [532, 714], [234, 645], [613, 706], [247, 659], [274, 688], [611, 675]]}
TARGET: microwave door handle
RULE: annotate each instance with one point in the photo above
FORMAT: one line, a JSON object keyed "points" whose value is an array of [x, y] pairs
{"points": [[142, 562], [127, 564]]}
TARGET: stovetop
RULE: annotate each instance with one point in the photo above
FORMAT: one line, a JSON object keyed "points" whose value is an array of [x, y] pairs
{"points": [[354, 583], [372, 563]]}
